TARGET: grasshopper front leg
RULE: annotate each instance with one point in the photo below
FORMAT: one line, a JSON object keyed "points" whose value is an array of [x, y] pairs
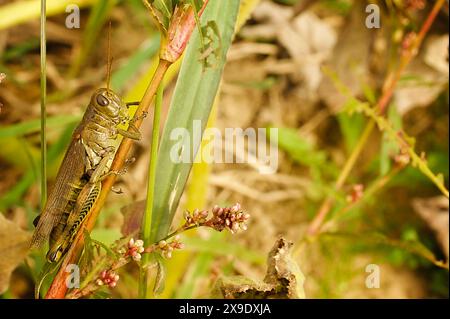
{"points": [[134, 134]]}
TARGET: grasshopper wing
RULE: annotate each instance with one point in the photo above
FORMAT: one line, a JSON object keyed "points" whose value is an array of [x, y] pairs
{"points": [[70, 172]]}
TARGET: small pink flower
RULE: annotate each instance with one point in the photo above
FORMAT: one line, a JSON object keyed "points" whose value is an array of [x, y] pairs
{"points": [[356, 193], [168, 247], [181, 25], [108, 277], [402, 159], [135, 249], [407, 42], [232, 218], [196, 218]]}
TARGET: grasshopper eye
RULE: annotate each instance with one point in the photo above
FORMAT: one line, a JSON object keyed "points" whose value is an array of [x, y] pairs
{"points": [[101, 100]]}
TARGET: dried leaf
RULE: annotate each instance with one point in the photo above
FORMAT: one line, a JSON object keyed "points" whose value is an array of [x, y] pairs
{"points": [[132, 218], [435, 212], [308, 39], [240, 287], [272, 12], [310, 42], [160, 276], [14, 244], [436, 53], [421, 88], [283, 279], [427, 76], [283, 271]]}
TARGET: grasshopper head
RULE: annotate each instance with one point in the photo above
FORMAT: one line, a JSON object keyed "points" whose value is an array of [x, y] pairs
{"points": [[107, 103]]}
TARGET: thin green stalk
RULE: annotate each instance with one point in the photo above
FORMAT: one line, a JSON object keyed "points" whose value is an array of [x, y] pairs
{"points": [[147, 221], [43, 105], [179, 231], [327, 204], [368, 193], [355, 155]]}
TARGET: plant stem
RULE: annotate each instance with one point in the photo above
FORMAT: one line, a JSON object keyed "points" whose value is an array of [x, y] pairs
{"points": [[402, 139], [43, 105], [147, 219], [180, 230], [58, 288], [351, 161], [375, 187], [388, 90]]}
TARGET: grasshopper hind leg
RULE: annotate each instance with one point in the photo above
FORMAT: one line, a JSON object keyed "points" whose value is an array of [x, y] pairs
{"points": [[55, 252], [84, 203], [58, 230]]}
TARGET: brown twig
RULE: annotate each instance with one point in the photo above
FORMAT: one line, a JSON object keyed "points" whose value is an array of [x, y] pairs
{"points": [[387, 92]]}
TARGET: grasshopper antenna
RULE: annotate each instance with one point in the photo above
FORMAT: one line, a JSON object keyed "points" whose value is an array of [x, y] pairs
{"points": [[109, 62]]}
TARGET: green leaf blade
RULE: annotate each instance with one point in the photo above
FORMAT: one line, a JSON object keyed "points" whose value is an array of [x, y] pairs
{"points": [[192, 100]]}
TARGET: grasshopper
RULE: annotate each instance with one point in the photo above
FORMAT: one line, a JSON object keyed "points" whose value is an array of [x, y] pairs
{"points": [[78, 182]]}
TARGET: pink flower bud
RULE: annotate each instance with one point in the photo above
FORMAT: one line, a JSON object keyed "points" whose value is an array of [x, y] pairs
{"points": [[181, 26]]}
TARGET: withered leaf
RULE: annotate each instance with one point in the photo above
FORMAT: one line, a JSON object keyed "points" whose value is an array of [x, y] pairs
{"points": [[132, 218], [14, 244], [435, 213], [160, 276], [283, 280]]}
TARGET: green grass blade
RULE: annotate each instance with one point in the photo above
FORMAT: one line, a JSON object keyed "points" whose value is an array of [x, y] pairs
{"points": [[55, 154], [33, 126], [43, 174], [147, 220], [19, 50]]}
